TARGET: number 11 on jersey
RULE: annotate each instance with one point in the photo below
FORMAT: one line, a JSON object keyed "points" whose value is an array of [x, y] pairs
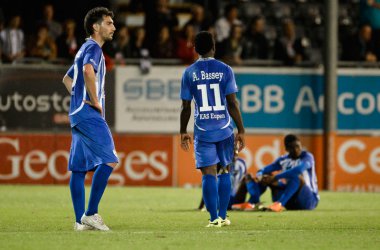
{"points": [[205, 104]]}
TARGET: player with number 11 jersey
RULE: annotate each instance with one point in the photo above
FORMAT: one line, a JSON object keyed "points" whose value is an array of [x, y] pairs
{"points": [[211, 84], [212, 120]]}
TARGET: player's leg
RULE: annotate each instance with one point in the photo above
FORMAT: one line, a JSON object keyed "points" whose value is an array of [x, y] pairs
{"points": [[241, 193], [206, 160], [255, 189], [100, 153], [210, 193], [285, 193], [78, 173], [99, 184], [303, 199], [78, 193], [225, 150]]}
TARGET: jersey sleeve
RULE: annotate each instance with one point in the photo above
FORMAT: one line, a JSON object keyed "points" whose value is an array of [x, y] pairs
{"points": [[70, 72], [92, 56], [275, 166], [231, 86], [185, 93]]}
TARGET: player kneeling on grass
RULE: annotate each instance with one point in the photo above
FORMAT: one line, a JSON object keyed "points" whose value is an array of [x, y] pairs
{"points": [[294, 187]]}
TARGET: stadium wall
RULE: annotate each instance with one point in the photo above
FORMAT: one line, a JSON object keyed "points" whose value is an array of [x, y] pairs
{"points": [[144, 110]]}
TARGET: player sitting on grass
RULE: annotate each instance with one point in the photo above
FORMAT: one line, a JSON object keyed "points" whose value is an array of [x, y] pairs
{"points": [[294, 187]]}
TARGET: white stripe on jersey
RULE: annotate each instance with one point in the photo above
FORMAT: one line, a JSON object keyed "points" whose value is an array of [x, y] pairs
{"points": [[228, 123], [199, 127], [84, 91], [102, 97]]}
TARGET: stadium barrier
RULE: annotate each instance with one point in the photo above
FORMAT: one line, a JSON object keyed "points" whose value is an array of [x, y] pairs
{"points": [[144, 110]]}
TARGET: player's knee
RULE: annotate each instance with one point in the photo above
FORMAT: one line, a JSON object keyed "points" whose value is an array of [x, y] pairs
{"points": [[211, 170], [302, 180], [113, 164]]}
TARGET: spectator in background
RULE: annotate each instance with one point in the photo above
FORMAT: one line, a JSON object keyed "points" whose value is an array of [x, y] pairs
{"points": [[161, 16], [289, 49], [256, 45], [67, 43], [42, 45], [223, 25], [12, 40], [198, 19], [233, 46], [121, 46], [164, 47], [185, 44], [54, 27], [138, 43], [370, 15], [359, 47]]}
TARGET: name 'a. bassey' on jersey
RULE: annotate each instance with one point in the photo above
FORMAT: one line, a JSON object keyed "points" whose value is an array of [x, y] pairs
{"points": [[209, 81]]}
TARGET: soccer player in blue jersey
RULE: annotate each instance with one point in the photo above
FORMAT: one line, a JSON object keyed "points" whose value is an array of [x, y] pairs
{"points": [[299, 190], [211, 84], [92, 147]]}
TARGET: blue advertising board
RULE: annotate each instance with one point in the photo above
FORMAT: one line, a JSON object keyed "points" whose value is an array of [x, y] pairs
{"points": [[294, 99]]}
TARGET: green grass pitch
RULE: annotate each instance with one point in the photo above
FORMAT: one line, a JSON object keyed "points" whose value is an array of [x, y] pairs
{"points": [[41, 217]]}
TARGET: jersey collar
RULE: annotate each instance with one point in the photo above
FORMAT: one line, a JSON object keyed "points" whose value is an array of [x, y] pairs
{"points": [[205, 58]]}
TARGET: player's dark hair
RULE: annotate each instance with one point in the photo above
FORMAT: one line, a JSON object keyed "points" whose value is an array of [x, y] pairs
{"points": [[290, 138], [203, 42], [93, 16]]}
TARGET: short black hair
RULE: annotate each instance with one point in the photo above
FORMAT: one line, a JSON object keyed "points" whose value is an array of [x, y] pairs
{"points": [[95, 15], [290, 138], [204, 42]]}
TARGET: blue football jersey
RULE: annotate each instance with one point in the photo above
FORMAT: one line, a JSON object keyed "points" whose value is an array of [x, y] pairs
{"points": [[285, 162], [238, 171], [208, 82], [89, 53]]}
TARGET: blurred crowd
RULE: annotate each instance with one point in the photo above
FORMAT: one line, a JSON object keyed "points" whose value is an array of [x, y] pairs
{"points": [[289, 32]]}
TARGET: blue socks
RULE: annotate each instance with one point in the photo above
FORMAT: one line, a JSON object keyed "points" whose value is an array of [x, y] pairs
{"points": [[210, 195], [255, 190], [99, 183], [78, 193], [224, 192]]}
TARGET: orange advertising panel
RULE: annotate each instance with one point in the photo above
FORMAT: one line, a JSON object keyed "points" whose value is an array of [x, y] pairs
{"points": [[260, 151], [42, 159], [357, 164]]}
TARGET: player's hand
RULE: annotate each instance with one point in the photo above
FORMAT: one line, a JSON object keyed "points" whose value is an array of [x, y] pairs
{"points": [[267, 179], [185, 141], [239, 142], [95, 106]]}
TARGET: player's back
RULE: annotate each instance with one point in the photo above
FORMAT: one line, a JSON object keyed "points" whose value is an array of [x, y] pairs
{"points": [[89, 53], [208, 82]]}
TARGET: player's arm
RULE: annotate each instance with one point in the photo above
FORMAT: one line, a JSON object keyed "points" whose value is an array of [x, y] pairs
{"points": [[185, 117], [294, 172], [68, 82], [234, 111], [89, 79]]}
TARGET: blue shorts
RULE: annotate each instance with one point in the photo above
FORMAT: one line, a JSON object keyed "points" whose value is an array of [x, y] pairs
{"points": [[304, 199], [91, 145], [211, 153]]}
